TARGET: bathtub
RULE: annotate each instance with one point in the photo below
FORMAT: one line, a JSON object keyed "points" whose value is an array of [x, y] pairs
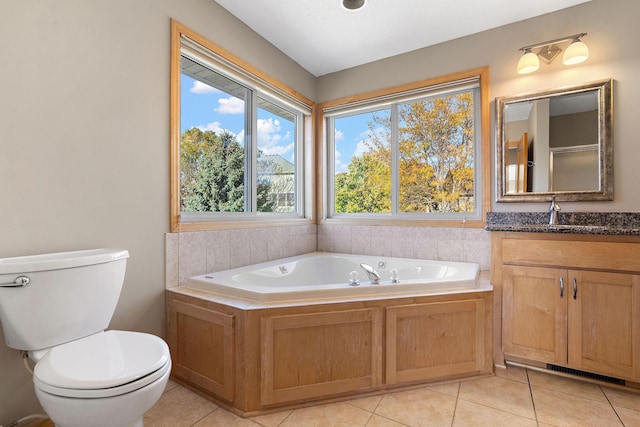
{"points": [[322, 275]]}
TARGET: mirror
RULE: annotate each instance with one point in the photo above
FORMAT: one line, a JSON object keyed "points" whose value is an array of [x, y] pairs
{"points": [[556, 142]]}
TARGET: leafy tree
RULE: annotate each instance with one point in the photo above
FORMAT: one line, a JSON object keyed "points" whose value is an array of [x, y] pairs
{"points": [[365, 187], [436, 168], [211, 172], [436, 155]]}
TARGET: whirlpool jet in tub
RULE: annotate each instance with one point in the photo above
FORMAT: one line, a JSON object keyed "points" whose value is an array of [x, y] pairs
{"points": [[331, 275]]}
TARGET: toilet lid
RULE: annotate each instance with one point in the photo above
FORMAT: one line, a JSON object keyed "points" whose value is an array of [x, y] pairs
{"points": [[103, 360]]}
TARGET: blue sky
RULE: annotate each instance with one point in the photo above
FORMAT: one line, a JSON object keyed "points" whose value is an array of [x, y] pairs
{"points": [[207, 108], [351, 133]]}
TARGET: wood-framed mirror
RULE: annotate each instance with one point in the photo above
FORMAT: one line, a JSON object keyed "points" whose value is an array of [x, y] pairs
{"points": [[556, 142]]}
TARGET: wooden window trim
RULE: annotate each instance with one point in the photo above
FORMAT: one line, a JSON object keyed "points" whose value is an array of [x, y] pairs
{"points": [[177, 31], [482, 73]]}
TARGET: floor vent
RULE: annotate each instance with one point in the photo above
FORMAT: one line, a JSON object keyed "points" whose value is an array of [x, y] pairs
{"points": [[585, 374]]}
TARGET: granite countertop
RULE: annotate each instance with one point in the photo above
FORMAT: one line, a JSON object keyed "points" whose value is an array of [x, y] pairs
{"points": [[614, 223]]}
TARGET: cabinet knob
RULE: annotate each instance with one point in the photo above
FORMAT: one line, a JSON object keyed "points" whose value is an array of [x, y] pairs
{"points": [[561, 287], [575, 288]]}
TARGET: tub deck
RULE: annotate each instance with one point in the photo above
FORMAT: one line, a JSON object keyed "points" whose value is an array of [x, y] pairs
{"points": [[321, 275]]}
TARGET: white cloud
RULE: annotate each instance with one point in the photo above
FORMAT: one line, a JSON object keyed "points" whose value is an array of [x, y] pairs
{"points": [[219, 130], [361, 148], [199, 87], [367, 136], [214, 126], [240, 137], [270, 140], [279, 150], [338, 136], [231, 105], [338, 165]]}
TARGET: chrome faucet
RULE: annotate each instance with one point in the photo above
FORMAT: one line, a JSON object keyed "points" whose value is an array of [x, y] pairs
{"points": [[553, 212], [374, 277]]}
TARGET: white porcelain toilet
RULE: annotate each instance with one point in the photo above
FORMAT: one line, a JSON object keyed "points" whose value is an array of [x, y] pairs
{"points": [[57, 307]]}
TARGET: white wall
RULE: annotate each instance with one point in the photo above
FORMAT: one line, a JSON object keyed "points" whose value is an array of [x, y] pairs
{"points": [[612, 42], [84, 134], [84, 139]]}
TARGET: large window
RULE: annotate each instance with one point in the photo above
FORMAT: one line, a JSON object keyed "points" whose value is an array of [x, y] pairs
{"points": [[412, 153], [237, 139]]}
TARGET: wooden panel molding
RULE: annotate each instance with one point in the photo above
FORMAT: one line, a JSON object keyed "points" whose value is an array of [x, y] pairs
{"points": [[203, 347], [430, 341], [319, 354]]}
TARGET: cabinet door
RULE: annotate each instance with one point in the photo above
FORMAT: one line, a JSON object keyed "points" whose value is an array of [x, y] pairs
{"points": [[534, 313], [604, 323]]}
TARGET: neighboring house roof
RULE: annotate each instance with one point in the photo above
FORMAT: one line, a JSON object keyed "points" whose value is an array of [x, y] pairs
{"points": [[268, 164]]}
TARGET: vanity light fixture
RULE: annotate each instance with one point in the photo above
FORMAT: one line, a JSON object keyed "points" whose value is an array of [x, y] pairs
{"points": [[353, 4], [575, 53]]}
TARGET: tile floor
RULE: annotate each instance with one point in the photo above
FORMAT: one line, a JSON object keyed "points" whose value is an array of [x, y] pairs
{"points": [[514, 397]]}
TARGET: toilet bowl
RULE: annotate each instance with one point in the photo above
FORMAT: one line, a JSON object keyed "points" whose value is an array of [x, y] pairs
{"points": [[56, 307], [107, 379]]}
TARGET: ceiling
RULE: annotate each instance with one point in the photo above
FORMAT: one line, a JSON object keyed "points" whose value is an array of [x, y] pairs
{"points": [[323, 37]]}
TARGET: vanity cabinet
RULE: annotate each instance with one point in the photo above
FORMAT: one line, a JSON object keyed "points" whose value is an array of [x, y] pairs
{"points": [[572, 302], [534, 314]]}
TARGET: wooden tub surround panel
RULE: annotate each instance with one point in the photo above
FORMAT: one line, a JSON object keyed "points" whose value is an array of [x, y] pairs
{"points": [[203, 353], [257, 360], [318, 354], [438, 339]]}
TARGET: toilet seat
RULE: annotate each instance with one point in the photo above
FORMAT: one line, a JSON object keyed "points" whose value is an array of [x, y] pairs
{"points": [[105, 364]]}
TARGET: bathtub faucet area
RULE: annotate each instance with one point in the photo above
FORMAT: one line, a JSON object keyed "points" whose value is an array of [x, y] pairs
{"points": [[333, 275], [374, 277]]}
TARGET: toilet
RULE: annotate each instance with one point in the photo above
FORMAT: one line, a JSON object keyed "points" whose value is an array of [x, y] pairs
{"points": [[56, 307]]}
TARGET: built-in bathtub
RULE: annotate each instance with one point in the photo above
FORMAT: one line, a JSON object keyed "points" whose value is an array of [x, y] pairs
{"points": [[292, 332], [331, 275]]}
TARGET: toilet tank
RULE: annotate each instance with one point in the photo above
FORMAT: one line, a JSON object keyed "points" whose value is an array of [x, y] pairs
{"points": [[70, 295]]}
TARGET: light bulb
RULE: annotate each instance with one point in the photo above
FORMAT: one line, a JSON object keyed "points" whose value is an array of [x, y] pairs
{"points": [[528, 63], [576, 53]]}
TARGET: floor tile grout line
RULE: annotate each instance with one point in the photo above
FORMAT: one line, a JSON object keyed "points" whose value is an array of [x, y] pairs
{"points": [[555, 390], [533, 402], [205, 416], [611, 404], [503, 410], [455, 408], [484, 405], [387, 418]]}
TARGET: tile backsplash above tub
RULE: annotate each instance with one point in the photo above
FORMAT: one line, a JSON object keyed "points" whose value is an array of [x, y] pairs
{"points": [[446, 244], [193, 253]]}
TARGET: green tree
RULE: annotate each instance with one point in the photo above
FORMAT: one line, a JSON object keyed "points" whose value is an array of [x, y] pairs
{"points": [[211, 172], [436, 155], [436, 167], [365, 187]]}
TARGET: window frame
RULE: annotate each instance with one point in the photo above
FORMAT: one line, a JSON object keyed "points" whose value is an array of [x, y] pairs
{"points": [[394, 95], [261, 86]]}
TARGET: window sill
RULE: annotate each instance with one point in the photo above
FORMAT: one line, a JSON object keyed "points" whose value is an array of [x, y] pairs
{"points": [[238, 224], [398, 222]]}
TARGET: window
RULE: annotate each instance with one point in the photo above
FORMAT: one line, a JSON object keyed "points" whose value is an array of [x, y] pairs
{"points": [[237, 140], [409, 153]]}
